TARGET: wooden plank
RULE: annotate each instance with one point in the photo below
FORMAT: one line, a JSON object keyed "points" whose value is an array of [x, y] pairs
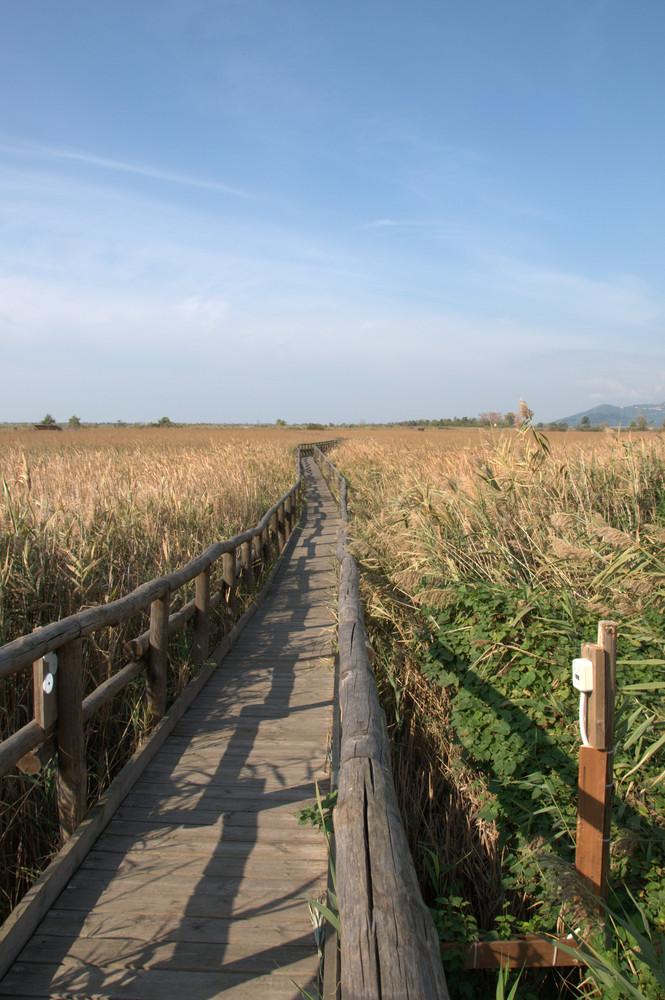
{"points": [[597, 702], [189, 843], [251, 955], [190, 865], [232, 824], [152, 927], [607, 640], [25, 917], [213, 897], [593, 819], [251, 797], [529, 952], [71, 979]]}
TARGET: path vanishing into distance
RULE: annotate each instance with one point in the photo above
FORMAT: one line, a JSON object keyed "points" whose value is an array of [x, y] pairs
{"points": [[198, 887]]}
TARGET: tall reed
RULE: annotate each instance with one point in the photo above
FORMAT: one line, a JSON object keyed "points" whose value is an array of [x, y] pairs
{"points": [[485, 565], [85, 517]]}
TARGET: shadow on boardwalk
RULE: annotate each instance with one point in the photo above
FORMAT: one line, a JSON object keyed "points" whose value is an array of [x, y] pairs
{"points": [[198, 887]]}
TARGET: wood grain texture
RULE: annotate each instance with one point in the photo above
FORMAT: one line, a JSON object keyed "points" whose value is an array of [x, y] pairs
{"points": [[593, 819], [158, 656], [24, 740], [530, 951], [389, 945], [72, 780]]}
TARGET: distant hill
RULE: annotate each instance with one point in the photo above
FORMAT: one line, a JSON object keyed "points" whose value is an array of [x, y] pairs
{"points": [[615, 416]]}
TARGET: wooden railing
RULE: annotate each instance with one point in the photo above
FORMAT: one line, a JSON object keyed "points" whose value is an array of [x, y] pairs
{"points": [[55, 651], [389, 947], [323, 446]]}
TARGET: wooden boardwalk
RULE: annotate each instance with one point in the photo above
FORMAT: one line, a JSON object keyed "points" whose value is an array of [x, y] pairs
{"points": [[198, 887]]}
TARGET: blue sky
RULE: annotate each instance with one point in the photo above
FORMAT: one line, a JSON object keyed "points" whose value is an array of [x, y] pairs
{"points": [[244, 210]]}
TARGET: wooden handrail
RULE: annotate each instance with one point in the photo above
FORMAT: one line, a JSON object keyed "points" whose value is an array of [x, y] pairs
{"points": [[147, 652], [22, 652], [389, 946]]}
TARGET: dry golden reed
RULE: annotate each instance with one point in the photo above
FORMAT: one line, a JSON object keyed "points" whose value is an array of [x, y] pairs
{"points": [[574, 513], [85, 517]]}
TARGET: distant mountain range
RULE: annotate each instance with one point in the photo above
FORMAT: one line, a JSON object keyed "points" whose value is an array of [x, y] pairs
{"points": [[615, 416]]}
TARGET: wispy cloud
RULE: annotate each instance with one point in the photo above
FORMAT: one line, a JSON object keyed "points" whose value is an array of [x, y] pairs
{"points": [[617, 300], [53, 153]]}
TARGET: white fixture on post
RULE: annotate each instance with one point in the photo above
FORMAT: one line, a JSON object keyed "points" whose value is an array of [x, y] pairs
{"points": [[583, 682]]}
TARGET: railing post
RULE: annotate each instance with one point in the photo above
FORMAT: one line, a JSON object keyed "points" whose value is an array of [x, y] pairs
{"points": [[257, 556], [246, 564], [201, 646], [265, 542], [72, 781], [281, 530], [229, 577], [158, 657], [596, 766], [274, 528], [289, 514], [45, 691]]}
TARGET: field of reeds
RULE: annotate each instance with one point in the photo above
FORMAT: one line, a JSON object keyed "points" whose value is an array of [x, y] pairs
{"points": [[487, 557], [486, 560], [85, 517]]}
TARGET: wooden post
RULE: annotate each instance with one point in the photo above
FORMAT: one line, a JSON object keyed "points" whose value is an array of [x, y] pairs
{"points": [[246, 564], [72, 781], [274, 528], [158, 657], [201, 645], [229, 577], [45, 687], [607, 638], [290, 514], [281, 530], [594, 807], [257, 556]]}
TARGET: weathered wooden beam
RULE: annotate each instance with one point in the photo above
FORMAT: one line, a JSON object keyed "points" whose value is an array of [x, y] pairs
{"points": [[23, 741], [246, 564], [229, 576], [266, 537], [112, 686], [529, 952], [138, 647], [281, 528], [389, 945], [597, 702], [72, 779], [35, 760], [274, 532], [257, 557], [158, 657], [201, 645]]}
